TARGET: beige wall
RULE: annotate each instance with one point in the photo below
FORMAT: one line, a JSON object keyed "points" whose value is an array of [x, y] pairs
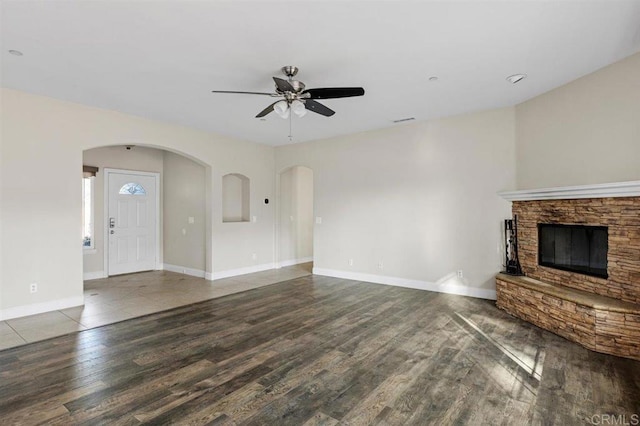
{"points": [[420, 198], [1, 209], [585, 132], [43, 140], [184, 197], [304, 212], [115, 157]]}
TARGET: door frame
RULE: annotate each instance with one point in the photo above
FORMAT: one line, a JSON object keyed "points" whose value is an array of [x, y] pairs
{"points": [[105, 220]]}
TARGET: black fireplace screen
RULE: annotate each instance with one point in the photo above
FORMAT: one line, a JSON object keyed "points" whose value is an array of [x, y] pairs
{"points": [[575, 248]]}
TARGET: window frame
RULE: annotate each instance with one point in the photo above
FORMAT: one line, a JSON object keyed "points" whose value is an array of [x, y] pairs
{"points": [[90, 249]]}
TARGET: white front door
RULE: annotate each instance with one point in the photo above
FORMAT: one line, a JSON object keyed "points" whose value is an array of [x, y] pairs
{"points": [[132, 222]]}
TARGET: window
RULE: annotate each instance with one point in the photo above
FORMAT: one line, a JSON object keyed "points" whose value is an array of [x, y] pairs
{"points": [[87, 213], [88, 207], [132, 189]]}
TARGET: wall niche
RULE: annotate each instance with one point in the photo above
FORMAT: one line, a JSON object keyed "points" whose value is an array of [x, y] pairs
{"points": [[235, 198]]}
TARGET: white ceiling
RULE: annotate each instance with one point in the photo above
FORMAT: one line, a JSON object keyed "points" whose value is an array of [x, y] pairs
{"points": [[161, 59]]}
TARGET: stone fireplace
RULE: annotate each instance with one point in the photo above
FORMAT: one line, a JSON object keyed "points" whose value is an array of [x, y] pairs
{"points": [[599, 310]]}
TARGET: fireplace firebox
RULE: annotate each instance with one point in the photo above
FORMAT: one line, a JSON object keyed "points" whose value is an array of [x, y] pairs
{"points": [[575, 248]]}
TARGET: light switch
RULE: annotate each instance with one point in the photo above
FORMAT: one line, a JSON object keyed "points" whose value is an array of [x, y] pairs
{"points": [[318, 220], [184, 231], [192, 220]]}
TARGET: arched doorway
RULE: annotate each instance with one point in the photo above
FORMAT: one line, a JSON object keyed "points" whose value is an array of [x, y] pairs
{"points": [[182, 216], [295, 216]]}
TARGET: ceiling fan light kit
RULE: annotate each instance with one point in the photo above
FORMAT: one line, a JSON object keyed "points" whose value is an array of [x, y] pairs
{"points": [[281, 108], [296, 98], [298, 108]]}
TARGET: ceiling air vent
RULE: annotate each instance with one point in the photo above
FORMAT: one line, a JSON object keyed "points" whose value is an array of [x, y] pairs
{"points": [[513, 79], [402, 120]]}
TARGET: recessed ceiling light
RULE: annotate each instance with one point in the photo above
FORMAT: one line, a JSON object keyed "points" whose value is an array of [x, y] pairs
{"points": [[513, 79], [404, 119], [434, 78], [15, 52]]}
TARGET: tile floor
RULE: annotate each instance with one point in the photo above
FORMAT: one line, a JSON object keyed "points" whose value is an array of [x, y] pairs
{"points": [[114, 299]]}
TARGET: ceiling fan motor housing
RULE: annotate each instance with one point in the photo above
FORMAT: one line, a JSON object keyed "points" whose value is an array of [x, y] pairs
{"points": [[298, 86], [290, 70]]}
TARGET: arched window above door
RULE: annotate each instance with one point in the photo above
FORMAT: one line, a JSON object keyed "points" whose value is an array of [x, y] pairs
{"points": [[132, 189]]}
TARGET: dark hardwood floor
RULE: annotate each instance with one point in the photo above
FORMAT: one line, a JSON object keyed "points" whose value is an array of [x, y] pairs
{"points": [[314, 351]]}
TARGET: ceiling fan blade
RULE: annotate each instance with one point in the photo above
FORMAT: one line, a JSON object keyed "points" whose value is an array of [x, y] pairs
{"points": [[318, 108], [244, 93], [334, 92], [283, 85], [267, 110]]}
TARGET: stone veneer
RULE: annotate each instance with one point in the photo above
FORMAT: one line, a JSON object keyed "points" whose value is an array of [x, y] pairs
{"points": [[600, 314], [596, 322], [621, 215]]}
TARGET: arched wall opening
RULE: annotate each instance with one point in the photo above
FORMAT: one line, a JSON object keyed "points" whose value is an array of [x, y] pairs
{"points": [[184, 214], [295, 224], [41, 215]]}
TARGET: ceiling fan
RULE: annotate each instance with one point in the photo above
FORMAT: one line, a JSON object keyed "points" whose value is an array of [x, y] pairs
{"points": [[297, 99]]}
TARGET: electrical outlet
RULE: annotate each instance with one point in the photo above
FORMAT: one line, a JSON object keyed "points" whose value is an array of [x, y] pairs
{"points": [[254, 256], [254, 219], [192, 220], [318, 220], [33, 288], [380, 265], [459, 273], [350, 262]]}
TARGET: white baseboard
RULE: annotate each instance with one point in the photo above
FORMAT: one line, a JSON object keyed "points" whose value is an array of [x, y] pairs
{"points": [[292, 262], [39, 308], [184, 270], [242, 271], [93, 275], [480, 293]]}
